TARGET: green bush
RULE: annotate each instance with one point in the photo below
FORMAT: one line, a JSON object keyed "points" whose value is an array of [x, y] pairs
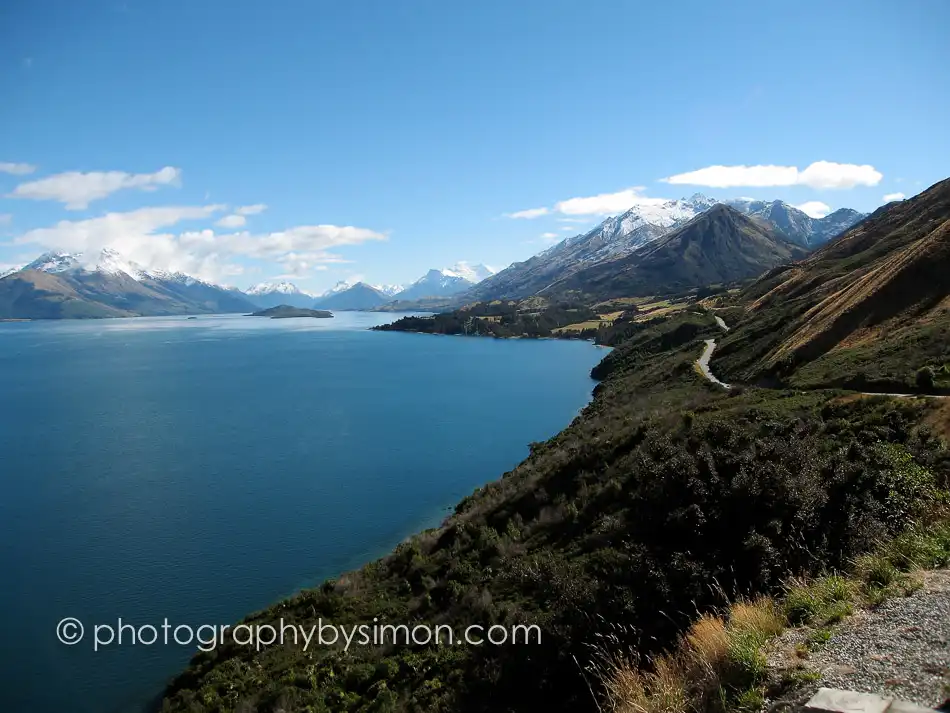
{"points": [[926, 378]]}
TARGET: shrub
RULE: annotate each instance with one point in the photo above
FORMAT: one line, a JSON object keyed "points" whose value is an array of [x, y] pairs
{"points": [[926, 378]]}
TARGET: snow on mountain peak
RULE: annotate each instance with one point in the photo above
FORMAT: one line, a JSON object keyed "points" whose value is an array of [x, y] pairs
{"points": [[283, 288], [472, 273], [107, 261], [111, 262]]}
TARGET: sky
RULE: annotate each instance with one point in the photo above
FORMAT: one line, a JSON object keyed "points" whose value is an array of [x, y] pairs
{"points": [[322, 140]]}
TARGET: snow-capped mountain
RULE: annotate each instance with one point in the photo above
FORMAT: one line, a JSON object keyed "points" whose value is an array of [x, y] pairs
{"points": [[274, 294], [614, 237], [435, 283], [621, 235], [110, 262], [340, 286], [55, 262], [446, 282], [266, 288], [344, 285], [795, 224], [472, 273], [106, 284], [359, 296]]}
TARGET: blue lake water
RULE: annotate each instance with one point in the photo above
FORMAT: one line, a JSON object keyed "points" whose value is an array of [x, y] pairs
{"points": [[201, 469]]}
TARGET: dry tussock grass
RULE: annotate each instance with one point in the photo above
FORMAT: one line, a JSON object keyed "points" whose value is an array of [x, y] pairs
{"points": [[691, 677]]}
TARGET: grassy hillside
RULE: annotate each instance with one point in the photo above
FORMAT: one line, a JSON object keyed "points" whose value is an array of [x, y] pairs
{"points": [[868, 311], [39, 295]]}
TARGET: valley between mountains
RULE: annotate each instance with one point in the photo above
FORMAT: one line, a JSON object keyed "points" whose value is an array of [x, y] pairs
{"points": [[629, 535]]}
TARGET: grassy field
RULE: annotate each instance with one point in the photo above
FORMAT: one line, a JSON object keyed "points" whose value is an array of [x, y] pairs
{"points": [[646, 308]]}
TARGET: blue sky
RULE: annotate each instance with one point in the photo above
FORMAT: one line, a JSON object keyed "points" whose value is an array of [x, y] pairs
{"points": [[380, 139]]}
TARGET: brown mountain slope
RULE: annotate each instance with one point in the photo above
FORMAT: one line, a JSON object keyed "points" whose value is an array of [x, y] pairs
{"points": [[30, 294], [870, 307], [718, 246], [80, 293]]}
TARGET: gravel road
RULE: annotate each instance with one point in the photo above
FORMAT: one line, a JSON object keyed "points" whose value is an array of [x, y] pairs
{"points": [[901, 649]]}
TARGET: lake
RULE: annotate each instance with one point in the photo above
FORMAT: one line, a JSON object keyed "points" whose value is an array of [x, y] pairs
{"points": [[200, 469]]}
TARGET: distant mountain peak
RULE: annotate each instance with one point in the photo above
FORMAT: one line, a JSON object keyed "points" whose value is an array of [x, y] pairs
{"points": [[358, 296], [794, 223], [472, 273], [350, 282], [284, 287], [446, 281], [105, 283]]}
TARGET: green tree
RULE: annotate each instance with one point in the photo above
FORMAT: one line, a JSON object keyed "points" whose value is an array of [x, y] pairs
{"points": [[925, 378]]}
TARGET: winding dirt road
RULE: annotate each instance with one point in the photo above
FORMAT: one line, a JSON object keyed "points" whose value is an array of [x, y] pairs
{"points": [[703, 364]]}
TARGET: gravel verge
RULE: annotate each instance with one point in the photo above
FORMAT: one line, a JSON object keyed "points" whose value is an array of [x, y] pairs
{"points": [[899, 649]]}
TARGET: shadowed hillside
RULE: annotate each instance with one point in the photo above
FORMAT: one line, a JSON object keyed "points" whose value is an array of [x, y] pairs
{"points": [[718, 246], [871, 307], [31, 294]]}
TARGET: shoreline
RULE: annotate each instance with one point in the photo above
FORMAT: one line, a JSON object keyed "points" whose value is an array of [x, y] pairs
{"points": [[444, 513]]}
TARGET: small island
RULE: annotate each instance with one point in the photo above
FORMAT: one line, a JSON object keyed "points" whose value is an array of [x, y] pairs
{"points": [[286, 311]]}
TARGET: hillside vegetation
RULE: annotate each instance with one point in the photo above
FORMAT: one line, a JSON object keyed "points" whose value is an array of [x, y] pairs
{"points": [[665, 499], [503, 319], [868, 311]]}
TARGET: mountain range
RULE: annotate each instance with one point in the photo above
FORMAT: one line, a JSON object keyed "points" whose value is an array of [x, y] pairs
{"points": [[106, 284], [62, 286], [601, 262], [274, 294], [795, 224], [719, 245], [445, 282], [355, 297], [623, 235]]}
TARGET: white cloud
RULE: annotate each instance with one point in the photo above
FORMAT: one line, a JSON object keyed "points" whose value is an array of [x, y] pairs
{"points": [[16, 169], [826, 174], [814, 209], [548, 235], [567, 228], [237, 219], [528, 214], [142, 236], [606, 203], [820, 174], [888, 197], [77, 190], [251, 209], [297, 267], [602, 204], [232, 221]]}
